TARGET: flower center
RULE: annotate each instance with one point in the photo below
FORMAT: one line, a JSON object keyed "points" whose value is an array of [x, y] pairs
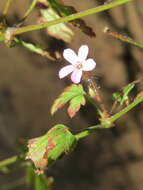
{"points": [[79, 65]]}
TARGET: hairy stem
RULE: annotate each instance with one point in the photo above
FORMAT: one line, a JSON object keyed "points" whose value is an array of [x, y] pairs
{"points": [[71, 17]]}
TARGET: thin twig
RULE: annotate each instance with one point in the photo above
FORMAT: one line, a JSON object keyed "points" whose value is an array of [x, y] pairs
{"points": [[30, 9], [123, 38]]}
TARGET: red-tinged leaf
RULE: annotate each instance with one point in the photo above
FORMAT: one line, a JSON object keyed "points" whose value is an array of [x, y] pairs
{"points": [[64, 10], [75, 105], [73, 94], [45, 150]]}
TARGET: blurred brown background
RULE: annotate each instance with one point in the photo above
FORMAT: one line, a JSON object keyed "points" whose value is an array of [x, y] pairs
{"points": [[111, 159]]}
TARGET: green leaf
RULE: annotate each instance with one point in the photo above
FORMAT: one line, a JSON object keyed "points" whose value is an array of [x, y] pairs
{"points": [[45, 150], [59, 31], [73, 94], [124, 96], [34, 48]]}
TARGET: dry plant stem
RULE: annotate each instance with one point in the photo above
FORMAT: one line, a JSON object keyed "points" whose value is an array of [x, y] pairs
{"points": [[7, 6], [123, 38], [71, 17]]}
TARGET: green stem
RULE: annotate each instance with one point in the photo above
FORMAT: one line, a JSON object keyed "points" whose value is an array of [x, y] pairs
{"points": [[8, 161], [108, 123], [126, 109], [71, 17], [88, 131], [6, 8]]}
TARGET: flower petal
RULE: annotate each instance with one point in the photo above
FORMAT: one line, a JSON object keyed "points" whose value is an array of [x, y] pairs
{"points": [[88, 65], [83, 52], [65, 71], [70, 56], [76, 76]]}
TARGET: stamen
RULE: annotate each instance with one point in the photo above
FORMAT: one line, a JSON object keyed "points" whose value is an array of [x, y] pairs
{"points": [[78, 65]]}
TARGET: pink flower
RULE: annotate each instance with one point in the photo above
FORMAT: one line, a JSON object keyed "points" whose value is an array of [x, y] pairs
{"points": [[79, 63]]}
